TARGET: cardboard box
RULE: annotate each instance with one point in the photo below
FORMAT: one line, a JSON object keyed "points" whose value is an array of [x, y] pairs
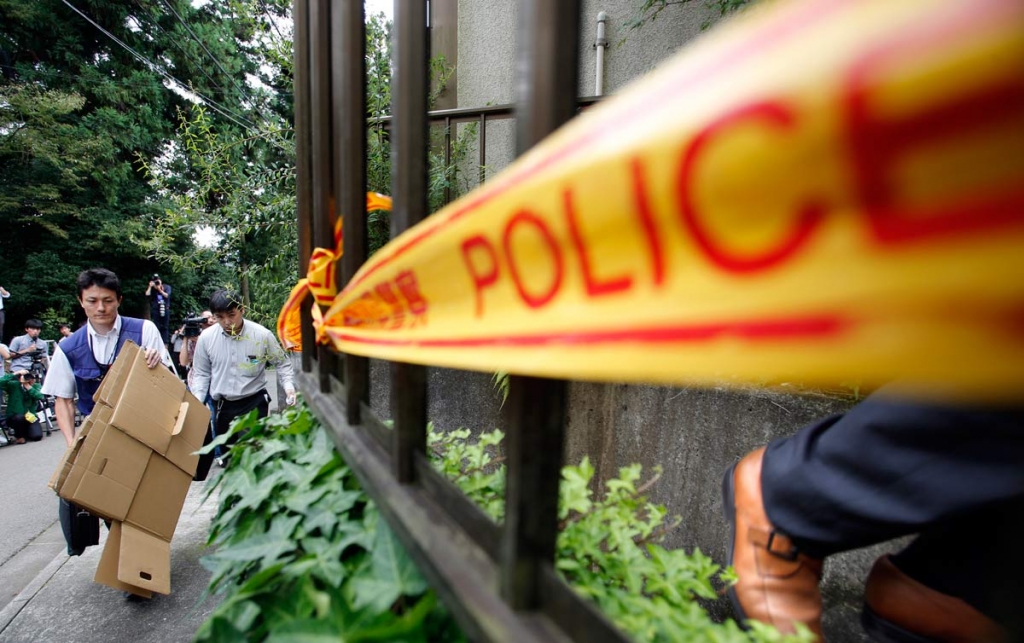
{"points": [[132, 463], [108, 568]]}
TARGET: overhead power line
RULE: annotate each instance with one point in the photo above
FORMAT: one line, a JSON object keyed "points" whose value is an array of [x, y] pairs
{"points": [[154, 67], [182, 49], [210, 54], [125, 82], [270, 18]]}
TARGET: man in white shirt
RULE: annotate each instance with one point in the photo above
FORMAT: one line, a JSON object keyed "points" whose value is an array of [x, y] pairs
{"points": [[81, 361], [230, 364]]}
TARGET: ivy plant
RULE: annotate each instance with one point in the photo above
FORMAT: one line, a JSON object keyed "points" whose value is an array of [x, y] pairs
{"points": [[302, 554], [300, 551], [608, 546]]}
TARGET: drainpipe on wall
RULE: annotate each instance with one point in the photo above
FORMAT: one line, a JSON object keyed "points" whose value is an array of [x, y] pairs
{"points": [[600, 45]]}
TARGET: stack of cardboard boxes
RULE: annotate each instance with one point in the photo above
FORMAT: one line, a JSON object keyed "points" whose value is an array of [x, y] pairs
{"points": [[131, 464]]}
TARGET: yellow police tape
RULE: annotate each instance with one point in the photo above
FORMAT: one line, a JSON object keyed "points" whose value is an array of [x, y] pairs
{"points": [[318, 282], [820, 191]]}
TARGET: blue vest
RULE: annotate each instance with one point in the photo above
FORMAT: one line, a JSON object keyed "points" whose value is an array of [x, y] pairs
{"points": [[88, 373]]}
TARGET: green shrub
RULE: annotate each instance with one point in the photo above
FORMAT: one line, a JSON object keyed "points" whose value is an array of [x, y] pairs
{"points": [[303, 555]]}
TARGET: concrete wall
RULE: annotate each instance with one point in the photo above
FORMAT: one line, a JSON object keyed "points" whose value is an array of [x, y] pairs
{"points": [[695, 435], [455, 399], [487, 43]]}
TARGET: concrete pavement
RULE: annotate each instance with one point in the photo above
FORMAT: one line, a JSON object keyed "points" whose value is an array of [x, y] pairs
{"points": [[48, 597], [29, 533], [62, 604]]}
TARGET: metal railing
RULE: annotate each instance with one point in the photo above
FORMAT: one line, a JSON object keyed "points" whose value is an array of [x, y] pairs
{"points": [[498, 581], [446, 118]]}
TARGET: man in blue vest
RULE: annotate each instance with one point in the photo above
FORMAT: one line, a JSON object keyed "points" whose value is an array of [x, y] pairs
{"points": [[83, 359]]}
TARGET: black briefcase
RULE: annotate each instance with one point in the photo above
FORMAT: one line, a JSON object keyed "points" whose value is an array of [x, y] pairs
{"points": [[81, 528]]}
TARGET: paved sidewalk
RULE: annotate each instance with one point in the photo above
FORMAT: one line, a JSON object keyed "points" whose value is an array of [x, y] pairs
{"points": [[63, 604]]}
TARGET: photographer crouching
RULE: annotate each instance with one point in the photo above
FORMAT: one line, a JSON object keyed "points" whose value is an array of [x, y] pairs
{"points": [[23, 395]]}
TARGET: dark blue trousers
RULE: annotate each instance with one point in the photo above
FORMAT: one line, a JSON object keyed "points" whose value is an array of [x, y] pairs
{"points": [[952, 475]]}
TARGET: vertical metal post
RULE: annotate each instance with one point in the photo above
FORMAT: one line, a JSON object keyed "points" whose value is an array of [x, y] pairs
{"points": [[409, 181], [447, 159], [303, 163], [349, 32], [321, 123], [482, 159], [548, 46]]}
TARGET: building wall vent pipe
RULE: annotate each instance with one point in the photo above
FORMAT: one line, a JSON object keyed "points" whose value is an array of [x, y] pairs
{"points": [[600, 45]]}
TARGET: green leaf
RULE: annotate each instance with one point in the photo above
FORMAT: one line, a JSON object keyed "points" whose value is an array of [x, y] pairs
{"points": [[265, 547], [306, 631], [389, 575]]}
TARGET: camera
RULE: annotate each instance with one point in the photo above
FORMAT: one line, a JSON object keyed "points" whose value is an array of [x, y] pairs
{"points": [[193, 326]]}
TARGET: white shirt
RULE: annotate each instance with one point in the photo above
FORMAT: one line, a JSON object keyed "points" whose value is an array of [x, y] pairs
{"points": [[60, 379], [232, 367], [3, 295]]}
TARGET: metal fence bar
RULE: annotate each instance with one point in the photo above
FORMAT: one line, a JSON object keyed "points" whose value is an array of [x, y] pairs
{"points": [[303, 164], [350, 145], [472, 562], [410, 140], [470, 114], [447, 158], [548, 45], [462, 574], [320, 126], [482, 159]]}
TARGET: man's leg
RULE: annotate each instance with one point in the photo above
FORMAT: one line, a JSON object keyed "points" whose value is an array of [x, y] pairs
{"points": [[884, 469], [888, 469], [959, 576], [230, 411], [20, 427]]}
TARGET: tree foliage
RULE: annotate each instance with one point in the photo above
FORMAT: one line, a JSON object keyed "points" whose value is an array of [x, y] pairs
{"points": [[80, 115]]}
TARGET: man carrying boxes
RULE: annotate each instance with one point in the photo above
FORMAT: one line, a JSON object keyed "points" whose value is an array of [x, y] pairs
{"points": [[80, 363], [133, 459]]}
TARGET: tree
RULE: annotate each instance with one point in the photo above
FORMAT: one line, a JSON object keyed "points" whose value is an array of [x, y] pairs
{"points": [[80, 116], [237, 183]]}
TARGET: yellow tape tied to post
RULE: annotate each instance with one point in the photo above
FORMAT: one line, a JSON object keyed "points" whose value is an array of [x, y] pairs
{"points": [[820, 191], [318, 282]]}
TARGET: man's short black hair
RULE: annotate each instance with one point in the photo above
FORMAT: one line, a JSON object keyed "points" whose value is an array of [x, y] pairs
{"points": [[100, 277], [224, 301], [28, 376], [34, 323], [64, 325]]}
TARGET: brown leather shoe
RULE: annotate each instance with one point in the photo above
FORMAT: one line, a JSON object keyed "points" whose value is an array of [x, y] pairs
{"points": [[777, 584], [898, 609]]}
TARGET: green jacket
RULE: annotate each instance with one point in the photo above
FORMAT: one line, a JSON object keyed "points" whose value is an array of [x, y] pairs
{"points": [[18, 399]]}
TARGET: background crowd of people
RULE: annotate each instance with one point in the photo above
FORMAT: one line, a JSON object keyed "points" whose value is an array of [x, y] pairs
{"points": [[40, 381]]}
